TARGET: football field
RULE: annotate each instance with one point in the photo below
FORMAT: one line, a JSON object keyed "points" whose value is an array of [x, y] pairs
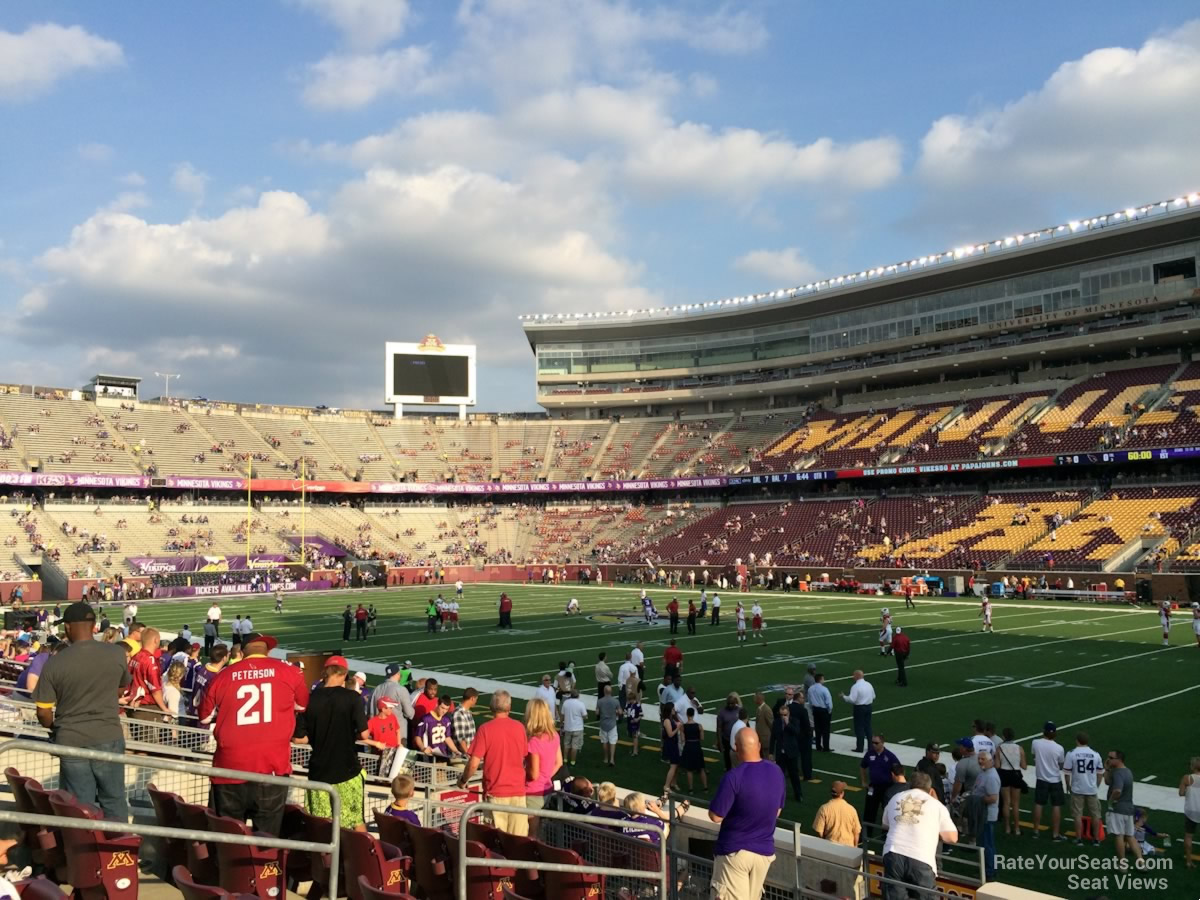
{"points": [[1097, 668]]}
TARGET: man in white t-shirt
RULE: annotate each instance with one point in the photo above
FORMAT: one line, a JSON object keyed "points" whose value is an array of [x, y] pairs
{"points": [[915, 821], [247, 627], [214, 616], [1048, 760], [716, 610], [545, 691], [1083, 766], [458, 589], [637, 656], [574, 714], [625, 674], [979, 740]]}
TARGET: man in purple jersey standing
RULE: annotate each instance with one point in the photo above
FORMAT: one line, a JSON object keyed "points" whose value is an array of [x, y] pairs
{"points": [[203, 675], [434, 735], [742, 807]]}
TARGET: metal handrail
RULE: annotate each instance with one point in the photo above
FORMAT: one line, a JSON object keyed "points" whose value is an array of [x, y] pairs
{"points": [[464, 860], [252, 840]]}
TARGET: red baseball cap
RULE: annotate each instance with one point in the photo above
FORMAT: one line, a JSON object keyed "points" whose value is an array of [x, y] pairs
{"points": [[337, 661], [260, 638]]}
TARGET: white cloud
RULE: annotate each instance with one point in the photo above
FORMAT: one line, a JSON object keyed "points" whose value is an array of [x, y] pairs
{"points": [[187, 179], [34, 60], [365, 24], [132, 179], [94, 152], [740, 161], [784, 267], [350, 81], [127, 200], [1114, 125]]}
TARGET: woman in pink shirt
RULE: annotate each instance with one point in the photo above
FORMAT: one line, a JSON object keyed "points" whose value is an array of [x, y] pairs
{"points": [[544, 757]]}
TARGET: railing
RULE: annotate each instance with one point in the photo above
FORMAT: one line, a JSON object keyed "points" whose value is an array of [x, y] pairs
{"points": [[660, 876], [252, 840]]}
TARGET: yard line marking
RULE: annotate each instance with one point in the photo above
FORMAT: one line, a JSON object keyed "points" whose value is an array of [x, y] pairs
{"points": [[1113, 712], [1148, 778], [1020, 681], [841, 731], [906, 741]]}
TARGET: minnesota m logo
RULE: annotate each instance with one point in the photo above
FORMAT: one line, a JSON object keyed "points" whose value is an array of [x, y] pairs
{"points": [[119, 860]]}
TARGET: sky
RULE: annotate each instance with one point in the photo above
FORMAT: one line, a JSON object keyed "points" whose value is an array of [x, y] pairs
{"points": [[258, 195]]}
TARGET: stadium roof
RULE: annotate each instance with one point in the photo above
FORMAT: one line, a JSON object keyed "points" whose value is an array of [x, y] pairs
{"points": [[1131, 229]]}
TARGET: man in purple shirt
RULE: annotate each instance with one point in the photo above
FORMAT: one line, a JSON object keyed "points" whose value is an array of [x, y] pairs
{"points": [[875, 773], [742, 807], [433, 735], [29, 676]]}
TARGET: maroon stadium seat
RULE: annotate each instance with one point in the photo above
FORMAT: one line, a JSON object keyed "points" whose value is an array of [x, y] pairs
{"points": [[166, 813], [50, 840], [393, 831], [483, 882], [201, 857], [431, 869], [295, 828], [527, 882], [39, 889], [369, 892], [488, 835], [319, 830], [98, 865], [366, 856], [32, 836], [258, 871], [510, 895], [569, 885], [193, 891]]}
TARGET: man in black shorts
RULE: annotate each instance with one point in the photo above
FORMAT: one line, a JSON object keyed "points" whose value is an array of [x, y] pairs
{"points": [[1048, 758]]}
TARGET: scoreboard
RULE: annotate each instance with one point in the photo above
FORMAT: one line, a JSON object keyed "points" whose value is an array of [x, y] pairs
{"points": [[1161, 454], [430, 373]]}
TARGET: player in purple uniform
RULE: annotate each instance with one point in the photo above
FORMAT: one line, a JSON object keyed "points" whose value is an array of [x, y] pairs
{"points": [[434, 734]]}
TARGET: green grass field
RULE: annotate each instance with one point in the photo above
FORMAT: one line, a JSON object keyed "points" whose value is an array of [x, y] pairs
{"points": [[1101, 669]]}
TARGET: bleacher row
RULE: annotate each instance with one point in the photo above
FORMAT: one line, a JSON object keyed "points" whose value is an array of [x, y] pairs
{"points": [[1137, 407]]}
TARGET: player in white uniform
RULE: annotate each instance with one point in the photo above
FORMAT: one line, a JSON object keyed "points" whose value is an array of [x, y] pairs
{"points": [[458, 589], [885, 631], [1164, 616], [740, 615], [1196, 622], [452, 609], [572, 608], [756, 622], [985, 610]]}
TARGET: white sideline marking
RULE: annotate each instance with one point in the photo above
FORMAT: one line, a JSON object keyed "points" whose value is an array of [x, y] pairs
{"points": [[1021, 681], [1113, 712]]}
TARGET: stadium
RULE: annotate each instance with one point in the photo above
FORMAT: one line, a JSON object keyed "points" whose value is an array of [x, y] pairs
{"points": [[1012, 423]]}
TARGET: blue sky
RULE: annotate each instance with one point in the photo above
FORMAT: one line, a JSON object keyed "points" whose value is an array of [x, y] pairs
{"points": [[259, 195]]}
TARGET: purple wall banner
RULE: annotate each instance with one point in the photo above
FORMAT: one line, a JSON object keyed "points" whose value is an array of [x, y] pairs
{"points": [[207, 590], [322, 546], [200, 483], [163, 565]]}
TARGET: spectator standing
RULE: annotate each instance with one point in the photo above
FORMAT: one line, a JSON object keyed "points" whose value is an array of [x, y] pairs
{"points": [[76, 697], [875, 774], [574, 715], [820, 701], [801, 724], [146, 688], [1120, 806], [546, 693], [1010, 763], [392, 688], [764, 720], [608, 711], [862, 696], [672, 660], [501, 745], [625, 674], [1189, 790], [901, 647], [716, 615], [210, 637], [254, 701], [545, 756], [462, 720], [506, 607], [1048, 761], [742, 806], [915, 821], [214, 616], [604, 674], [929, 765], [637, 656], [347, 622], [691, 616], [837, 820], [335, 722], [810, 677], [987, 790], [727, 717], [1082, 767], [787, 748], [673, 614]]}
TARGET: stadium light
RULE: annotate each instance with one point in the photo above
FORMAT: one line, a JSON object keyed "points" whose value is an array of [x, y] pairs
{"points": [[166, 377]]}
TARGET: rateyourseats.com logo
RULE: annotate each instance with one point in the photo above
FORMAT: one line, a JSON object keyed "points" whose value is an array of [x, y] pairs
{"points": [[1095, 873]]}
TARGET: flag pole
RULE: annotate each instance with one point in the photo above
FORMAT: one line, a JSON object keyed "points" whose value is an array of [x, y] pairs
{"points": [[303, 519]]}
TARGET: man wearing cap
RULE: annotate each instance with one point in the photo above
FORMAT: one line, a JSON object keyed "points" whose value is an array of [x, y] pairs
{"points": [[901, 647], [837, 820], [76, 699], [335, 722], [928, 764], [1048, 759], [393, 688], [255, 701]]}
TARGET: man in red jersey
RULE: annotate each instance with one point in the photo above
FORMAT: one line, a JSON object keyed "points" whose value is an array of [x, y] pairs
{"points": [[145, 688], [255, 700]]}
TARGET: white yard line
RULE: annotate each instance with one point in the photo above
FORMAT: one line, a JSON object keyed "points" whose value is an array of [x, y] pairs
{"points": [[1113, 712]]}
